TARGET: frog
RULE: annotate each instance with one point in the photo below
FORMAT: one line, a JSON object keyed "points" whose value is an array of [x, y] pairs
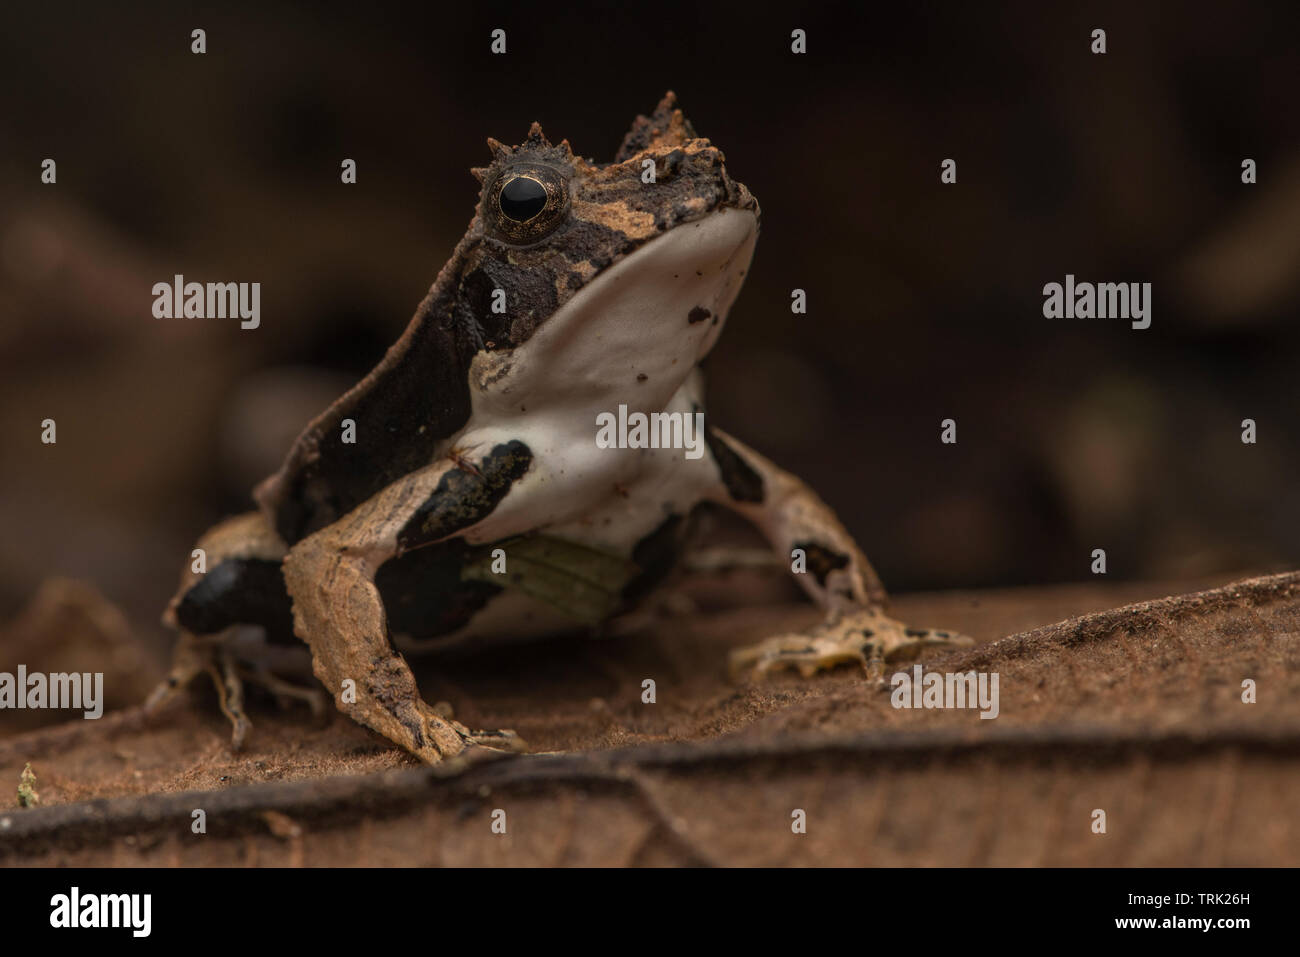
{"points": [[457, 495]]}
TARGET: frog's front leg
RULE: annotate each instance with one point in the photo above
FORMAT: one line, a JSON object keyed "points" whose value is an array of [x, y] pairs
{"points": [[835, 573], [338, 610]]}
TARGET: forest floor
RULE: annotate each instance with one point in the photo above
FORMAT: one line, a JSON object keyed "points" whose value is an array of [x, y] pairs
{"points": [[1111, 700]]}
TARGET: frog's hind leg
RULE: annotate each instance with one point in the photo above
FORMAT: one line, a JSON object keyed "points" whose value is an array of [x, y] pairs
{"points": [[802, 529], [237, 585]]}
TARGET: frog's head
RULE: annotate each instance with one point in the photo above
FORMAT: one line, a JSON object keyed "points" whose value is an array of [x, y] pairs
{"points": [[621, 271], [578, 286]]}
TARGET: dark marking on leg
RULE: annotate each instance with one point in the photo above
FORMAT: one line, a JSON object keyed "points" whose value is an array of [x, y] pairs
{"points": [[698, 314], [742, 482], [391, 684], [463, 498], [655, 554], [239, 591], [822, 560]]}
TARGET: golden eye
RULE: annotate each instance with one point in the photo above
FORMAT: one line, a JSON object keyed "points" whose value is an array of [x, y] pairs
{"points": [[526, 203]]}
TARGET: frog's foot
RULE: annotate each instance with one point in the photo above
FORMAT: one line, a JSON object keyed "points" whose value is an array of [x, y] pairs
{"points": [[229, 671], [503, 740], [428, 733], [866, 636], [205, 654]]}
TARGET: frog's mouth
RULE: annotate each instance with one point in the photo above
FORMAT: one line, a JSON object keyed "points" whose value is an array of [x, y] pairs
{"points": [[638, 328]]}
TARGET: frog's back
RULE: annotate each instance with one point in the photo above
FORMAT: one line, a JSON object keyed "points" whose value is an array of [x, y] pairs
{"points": [[414, 399]]}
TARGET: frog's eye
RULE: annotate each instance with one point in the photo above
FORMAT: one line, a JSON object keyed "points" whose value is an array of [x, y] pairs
{"points": [[522, 198], [526, 203]]}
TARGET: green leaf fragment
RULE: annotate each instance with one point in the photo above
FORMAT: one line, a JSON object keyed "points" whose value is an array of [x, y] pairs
{"points": [[584, 583]]}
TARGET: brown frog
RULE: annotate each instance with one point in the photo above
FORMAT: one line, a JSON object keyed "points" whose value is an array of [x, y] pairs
{"points": [[527, 455]]}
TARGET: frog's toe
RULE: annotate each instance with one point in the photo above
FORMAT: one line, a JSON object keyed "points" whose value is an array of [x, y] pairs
{"points": [[287, 692], [916, 640], [867, 637], [190, 658], [230, 697], [503, 740]]}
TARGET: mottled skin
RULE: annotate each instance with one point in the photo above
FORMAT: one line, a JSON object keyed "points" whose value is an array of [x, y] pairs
{"points": [[420, 390], [475, 432]]}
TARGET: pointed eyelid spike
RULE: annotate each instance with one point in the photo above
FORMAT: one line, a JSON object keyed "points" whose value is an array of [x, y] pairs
{"points": [[535, 141], [667, 126], [535, 138]]}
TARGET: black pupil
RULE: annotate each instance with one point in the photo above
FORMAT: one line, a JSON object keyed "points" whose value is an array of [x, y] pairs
{"points": [[522, 199]]}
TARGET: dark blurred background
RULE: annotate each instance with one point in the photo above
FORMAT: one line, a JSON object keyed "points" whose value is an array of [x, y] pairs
{"points": [[925, 300]]}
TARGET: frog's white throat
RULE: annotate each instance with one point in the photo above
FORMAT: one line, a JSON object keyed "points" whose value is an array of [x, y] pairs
{"points": [[631, 335]]}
